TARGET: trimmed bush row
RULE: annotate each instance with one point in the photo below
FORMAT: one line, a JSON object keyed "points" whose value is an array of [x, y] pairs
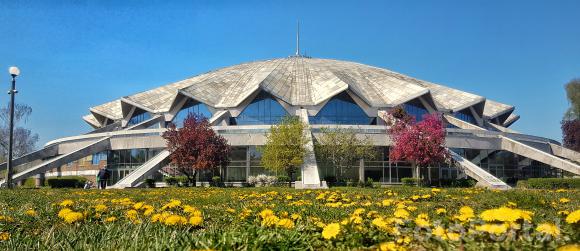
{"points": [[549, 183]]}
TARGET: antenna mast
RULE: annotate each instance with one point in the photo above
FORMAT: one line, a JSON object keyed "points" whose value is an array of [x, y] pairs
{"points": [[297, 38]]}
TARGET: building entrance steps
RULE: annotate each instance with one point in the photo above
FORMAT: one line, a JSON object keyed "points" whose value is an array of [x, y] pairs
{"points": [[483, 177], [92, 148], [134, 178]]}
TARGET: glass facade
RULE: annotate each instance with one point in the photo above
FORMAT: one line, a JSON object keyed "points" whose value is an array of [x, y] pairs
{"points": [[416, 109], [192, 107], [138, 117], [123, 162], [508, 166], [342, 110], [466, 116], [264, 110]]}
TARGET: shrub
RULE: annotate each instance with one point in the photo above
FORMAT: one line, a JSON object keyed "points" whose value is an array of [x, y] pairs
{"points": [[252, 180], [369, 182], [552, 183], [171, 181], [150, 183], [330, 179], [66, 182], [216, 181], [409, 181], [283, 179], [182, 180], [262, 180], [458, 182], [29, 183]]}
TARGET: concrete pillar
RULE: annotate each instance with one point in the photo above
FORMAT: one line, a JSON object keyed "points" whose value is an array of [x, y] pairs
{"points": [[248, 157], [39, 180], [361, 170]]}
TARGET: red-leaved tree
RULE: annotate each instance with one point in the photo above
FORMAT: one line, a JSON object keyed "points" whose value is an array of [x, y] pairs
{"points": [[571, 134], [420, 143], [196, 147]]}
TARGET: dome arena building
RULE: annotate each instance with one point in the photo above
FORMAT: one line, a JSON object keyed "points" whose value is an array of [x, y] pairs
{"points": [[243, 101]]}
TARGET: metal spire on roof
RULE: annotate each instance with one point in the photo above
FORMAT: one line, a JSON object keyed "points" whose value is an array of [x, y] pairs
{"points": [[297, 38]]}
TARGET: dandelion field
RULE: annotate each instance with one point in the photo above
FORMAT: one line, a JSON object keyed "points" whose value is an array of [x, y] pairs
{"points": [[396, 218]]}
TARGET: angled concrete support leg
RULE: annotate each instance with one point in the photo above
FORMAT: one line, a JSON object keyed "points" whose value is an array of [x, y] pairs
{"points": [[309, 169]]}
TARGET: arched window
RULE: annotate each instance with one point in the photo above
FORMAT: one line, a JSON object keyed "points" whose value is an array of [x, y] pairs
{"points": [[138, 117], [342, 110], [416, 109], [264, 110], [465, 115], [191, 106]]}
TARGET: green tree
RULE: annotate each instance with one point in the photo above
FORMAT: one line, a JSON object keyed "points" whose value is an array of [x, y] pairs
{"points": [[573, 94], [285, 146], [341, 148]]}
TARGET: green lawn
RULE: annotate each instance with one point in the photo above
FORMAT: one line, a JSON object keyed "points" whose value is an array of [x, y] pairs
{"points": [[282, 218]]}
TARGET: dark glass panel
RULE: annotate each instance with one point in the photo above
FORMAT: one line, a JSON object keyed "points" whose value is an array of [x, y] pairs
{"points": [[342, 110], [264, 110], [416, 109], [193, 107]]}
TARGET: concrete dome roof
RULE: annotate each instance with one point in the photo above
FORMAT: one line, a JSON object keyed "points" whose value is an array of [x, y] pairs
{"points": [[300, 81]]}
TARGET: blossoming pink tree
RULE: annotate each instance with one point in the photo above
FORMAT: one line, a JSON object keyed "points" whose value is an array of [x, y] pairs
{"points": [[420, 143]]}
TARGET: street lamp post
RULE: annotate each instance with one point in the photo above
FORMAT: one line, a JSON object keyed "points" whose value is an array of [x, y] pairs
{"points": [[14, 72]]}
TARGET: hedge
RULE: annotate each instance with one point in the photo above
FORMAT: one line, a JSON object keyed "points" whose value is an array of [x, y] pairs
{"points": [[549, 183], [66, 182]]}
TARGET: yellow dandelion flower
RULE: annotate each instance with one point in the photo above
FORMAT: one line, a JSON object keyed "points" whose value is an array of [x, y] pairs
{"points": [[389, 246], [131, 214], [73, 217], [66, 203], [138, 205], [195, 220], [441, 211], [564, 200], [286, 223], [175, 220], [111, 219], [270, 220], [421, 222], [63, 212], [401, 213], [266, 213], [505, 214], [548, 228], [296, 217], [573, 217], [100, 208], [30, 212], [453, 236], [358, 211], [439, 232], [4, 236], [330, 231], [496, 229], [569, 247], [172, 204]]}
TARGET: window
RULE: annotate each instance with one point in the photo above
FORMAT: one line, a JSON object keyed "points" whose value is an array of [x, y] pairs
{"points": [[342, 110], [97, 157], [193, 107], [138, 117], [416, 109], [264, 110], [465, 115]]}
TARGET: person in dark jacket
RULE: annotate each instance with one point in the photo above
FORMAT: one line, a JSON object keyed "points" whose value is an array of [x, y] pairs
{"points": [[103, 176]]}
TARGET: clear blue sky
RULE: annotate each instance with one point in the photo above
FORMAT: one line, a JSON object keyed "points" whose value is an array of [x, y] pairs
{"points": [[78, 54]]}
